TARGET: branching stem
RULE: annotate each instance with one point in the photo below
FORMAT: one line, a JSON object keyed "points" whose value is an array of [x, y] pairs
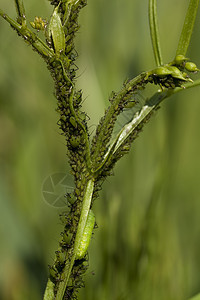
{"points": [[29, 36], [91, 163]]}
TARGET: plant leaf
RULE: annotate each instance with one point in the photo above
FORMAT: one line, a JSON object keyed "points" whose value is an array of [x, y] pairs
{"points": [[187, 27]]}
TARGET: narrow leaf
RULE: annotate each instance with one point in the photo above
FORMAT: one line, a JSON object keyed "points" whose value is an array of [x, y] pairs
{"points": [[187, 27], [57, 32]]}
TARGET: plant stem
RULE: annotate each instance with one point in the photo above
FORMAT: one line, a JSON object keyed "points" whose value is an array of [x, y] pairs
{"points": [[106, 124], [153, 24], [21, 12], [138, 118], [29, 36], [187, 27]]}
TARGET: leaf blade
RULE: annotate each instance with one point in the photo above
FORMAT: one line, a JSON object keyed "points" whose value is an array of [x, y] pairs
{"points": [[187, 27]]}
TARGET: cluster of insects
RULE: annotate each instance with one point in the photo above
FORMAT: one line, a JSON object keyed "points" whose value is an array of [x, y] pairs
{"points": [[173, 74], [59, 39], [82, 248]]}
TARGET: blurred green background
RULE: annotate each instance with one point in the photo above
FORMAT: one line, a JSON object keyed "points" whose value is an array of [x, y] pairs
{"points": [[147, 245]]}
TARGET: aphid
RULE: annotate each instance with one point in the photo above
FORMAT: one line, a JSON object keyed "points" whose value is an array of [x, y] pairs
{"points": [[66, 237], [70, 198], [75, 141], [130, 104], [56, 31], [82, 115], [53, 272], [73, 121], [86, 237], [61, 256]]}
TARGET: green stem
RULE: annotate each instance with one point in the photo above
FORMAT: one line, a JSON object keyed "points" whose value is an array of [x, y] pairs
{"points": [[110, 118], [74, 114], [21, 12], [147, 109], [187, 27], [29, 36], [128, 129], [81, 225], [153, 24]]}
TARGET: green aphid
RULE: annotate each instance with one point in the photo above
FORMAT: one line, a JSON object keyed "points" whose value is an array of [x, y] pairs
{"points": [[75, 141], [191, 67], [73, 121], [61, 256], [130, 104], [53, 271], [71, 198], [66, 238], [56, 31], [82, 115], [86, 237]]}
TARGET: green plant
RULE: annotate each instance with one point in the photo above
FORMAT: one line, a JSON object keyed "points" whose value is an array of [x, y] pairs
{"points": [[92, 161]]}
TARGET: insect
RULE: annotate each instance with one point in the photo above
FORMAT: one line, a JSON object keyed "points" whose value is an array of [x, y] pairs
{"points": [[169, 75], [86, 237], [56, 31], [74, 141]]}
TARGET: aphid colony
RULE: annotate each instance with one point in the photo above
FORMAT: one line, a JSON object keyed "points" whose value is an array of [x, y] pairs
{"points": [[82, 248], [173, 74], [169, 75]]}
